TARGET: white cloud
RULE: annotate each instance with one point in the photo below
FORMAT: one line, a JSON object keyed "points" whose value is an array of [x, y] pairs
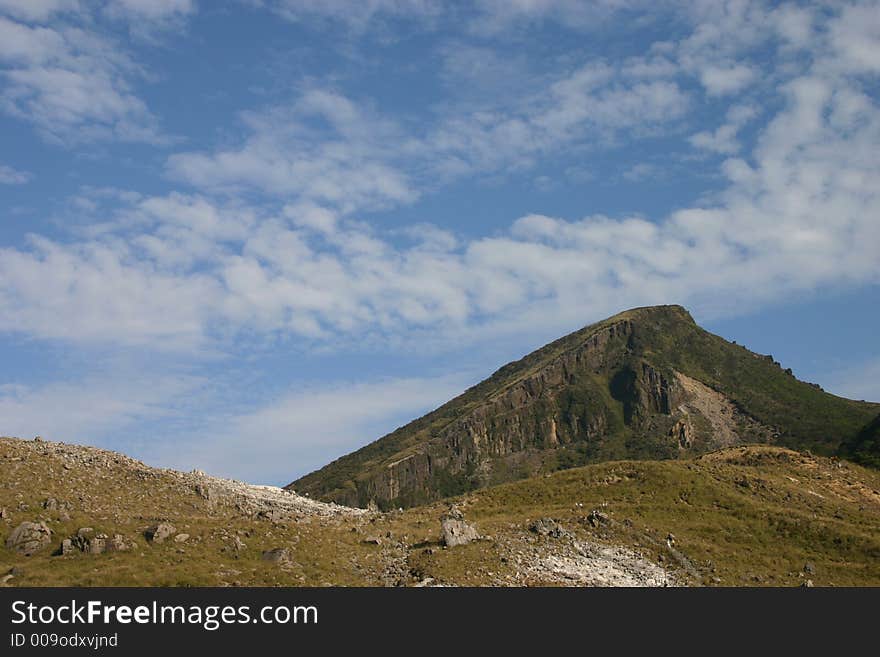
{"points": [[72, 84], [10, 176], [301, 430], [324, 149], [720, 81], [87, 409], [150, 9], [148, 18], [723, 139], [37, 10], [642, 171], [355, 15], [797, 213], [495, 16], [855, 35], [96, 291]]}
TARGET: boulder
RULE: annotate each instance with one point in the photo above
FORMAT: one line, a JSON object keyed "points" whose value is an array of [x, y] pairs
{"points": [[29, 537], [454, 530], [158, 533], [117, 544], [97, 545], [277, 555]]}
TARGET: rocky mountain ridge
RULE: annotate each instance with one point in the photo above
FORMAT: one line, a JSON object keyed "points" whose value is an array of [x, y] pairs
{"points": [[647, 383]]}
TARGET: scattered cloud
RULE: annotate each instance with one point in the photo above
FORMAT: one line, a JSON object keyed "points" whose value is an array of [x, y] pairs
{"points": [[321, 422], [146, 19], [357, 16], [87, 410], [37, 10], [323, 148], [10, 176], [723, 140], [72, 84]]}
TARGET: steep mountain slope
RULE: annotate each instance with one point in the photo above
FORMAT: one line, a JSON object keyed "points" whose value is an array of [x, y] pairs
{"points": [[864, 447], [647, 383], [741, 516]]}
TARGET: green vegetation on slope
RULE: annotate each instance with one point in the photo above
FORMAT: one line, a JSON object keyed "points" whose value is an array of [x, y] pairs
{"points": [[864, 448]]}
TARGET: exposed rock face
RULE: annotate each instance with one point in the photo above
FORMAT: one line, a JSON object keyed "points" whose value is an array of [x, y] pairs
{"points": [[455, 531], [158, 533], [29, 538]]}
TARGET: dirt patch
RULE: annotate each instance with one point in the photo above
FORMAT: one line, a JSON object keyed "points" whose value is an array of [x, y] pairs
{"points": [[583, 563], [727, 421]]}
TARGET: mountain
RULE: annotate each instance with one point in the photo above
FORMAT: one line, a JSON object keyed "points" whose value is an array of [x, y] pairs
{"points": [[647, 383], [73, 515]]}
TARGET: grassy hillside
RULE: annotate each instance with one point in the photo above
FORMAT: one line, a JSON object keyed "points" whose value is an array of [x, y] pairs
{"points": [[743, 516]]}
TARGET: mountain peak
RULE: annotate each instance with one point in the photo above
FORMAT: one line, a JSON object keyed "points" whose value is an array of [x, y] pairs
{"points": [[647, 383], [668, 311]]}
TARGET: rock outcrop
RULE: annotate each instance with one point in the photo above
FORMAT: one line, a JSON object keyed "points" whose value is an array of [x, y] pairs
{"points": [[29, 538], [159, 533]]}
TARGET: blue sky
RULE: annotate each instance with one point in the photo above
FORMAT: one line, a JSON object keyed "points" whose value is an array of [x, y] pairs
{"points": [[250, 236]]}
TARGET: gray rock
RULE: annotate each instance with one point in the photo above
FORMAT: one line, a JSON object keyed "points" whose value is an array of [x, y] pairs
{"points": [[29, 537], [181, 538], [158, 533], [97, 545], [455, 531], [4, 513], [277, 555], [809, 568], [547, 527], [117, 544], [597, 518], [206, 492]]}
